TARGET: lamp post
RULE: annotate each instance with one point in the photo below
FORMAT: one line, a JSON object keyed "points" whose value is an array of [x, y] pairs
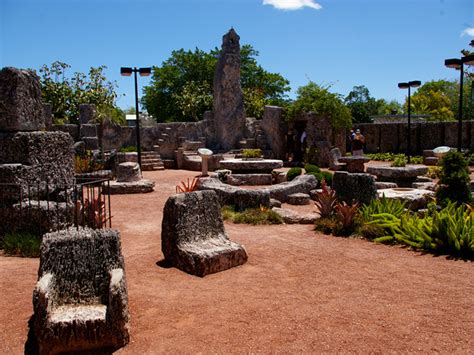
{"points": [[408, 85], [126, 71], [458, 64]]}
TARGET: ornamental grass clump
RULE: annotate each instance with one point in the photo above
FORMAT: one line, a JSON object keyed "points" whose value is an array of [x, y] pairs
{"points": [[22, 244], [253, 216]]}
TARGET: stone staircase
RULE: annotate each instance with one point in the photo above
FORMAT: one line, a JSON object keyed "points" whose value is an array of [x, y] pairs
{"points": [[152, 161]]}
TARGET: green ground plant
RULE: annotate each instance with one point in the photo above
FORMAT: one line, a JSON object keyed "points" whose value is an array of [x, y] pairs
{"points": [[22, 244], [252, 153], [128, 149], [311, 168], [253, 216], [393, 156]]}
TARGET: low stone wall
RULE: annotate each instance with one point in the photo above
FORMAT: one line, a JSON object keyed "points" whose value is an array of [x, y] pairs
{"points": [[392, 137]]}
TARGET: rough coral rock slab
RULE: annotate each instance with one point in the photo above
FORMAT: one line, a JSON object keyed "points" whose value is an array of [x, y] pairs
{"points": [[193, 235], [293, 217], [80, 301], [415, 199], [21, 105], [354, 187], [298, 199]]}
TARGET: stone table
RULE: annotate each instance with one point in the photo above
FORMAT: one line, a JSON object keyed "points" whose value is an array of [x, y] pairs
{"points": [[403, 176], [355, 164], [242, 166]]}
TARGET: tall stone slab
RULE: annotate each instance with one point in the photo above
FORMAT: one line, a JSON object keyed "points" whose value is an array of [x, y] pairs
{"points": [[228, 106], [21, 105]]}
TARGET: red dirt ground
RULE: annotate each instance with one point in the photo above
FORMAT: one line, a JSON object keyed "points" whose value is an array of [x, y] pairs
{"points": [[299, 292]]}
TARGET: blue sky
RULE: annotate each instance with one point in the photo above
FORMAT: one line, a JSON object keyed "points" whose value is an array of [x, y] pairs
{"points": [[376, 43]]}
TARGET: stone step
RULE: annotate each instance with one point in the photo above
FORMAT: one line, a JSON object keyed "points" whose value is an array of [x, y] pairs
{"points": [[152, 161], [152, 167]]}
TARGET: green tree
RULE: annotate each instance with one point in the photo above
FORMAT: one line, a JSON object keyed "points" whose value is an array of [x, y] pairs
{"points": [[392, 107], [318, 99], [440, 99], [66, 94], [181, 88], [361, 104]]}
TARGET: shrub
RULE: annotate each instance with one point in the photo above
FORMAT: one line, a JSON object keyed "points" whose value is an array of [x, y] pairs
{"points": [[253, 216], [252, 153], [310, 168], [326, 224], [453, 180], [22, 244], [433, 172], [293, 173], [128, 149], [399, 161], [327, 177], [86, 164]]}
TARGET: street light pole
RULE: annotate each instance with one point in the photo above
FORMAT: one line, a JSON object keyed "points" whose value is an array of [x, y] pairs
{"points": [[137, 120], [125, 71], [458, 64], [409, 85]]}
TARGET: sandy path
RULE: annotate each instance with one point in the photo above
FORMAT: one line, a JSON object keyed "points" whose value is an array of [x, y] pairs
{"points": [[299, 292]]}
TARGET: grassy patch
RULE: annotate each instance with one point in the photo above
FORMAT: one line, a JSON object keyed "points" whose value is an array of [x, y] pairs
{"points": [[251, 216], [22, 244]]}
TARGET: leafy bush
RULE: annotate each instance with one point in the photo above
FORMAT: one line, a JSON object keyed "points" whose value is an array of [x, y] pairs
{"points": [[327, 177], [310, 168], [253, 216], [128, 149], [399, 161], [252, 153], [293, 173], [392, 156], [86, 164], [22, 244], [453, 180], [433, 172]]}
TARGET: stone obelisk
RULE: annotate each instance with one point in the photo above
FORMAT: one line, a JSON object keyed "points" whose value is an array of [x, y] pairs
{"points": [[228, 107]]}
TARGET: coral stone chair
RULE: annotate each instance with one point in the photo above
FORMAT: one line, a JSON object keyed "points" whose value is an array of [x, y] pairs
{"points": [[80, 301]]}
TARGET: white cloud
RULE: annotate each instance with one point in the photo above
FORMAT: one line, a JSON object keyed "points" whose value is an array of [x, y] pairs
{"points": [[292, 4], [468, 31]]}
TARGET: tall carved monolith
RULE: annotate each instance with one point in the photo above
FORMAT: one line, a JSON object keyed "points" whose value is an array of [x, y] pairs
{"points": [[228, 107]]}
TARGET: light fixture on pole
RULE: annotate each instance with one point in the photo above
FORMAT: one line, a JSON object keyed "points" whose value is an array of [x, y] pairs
{"points": [[458, 63], [126, 71], [408, 85]]}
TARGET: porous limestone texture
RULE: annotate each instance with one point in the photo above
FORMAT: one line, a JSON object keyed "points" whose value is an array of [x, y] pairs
{"points": [[228, 103], [128, 172], [39, 156], [415, 199], [249, 179], [403, 176], [80, 301], [280, 192], [135, 187], [293, 217], [244, 199], [354, 187], [193, 237], [21, 105], [260, 166], [298, 199]]}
